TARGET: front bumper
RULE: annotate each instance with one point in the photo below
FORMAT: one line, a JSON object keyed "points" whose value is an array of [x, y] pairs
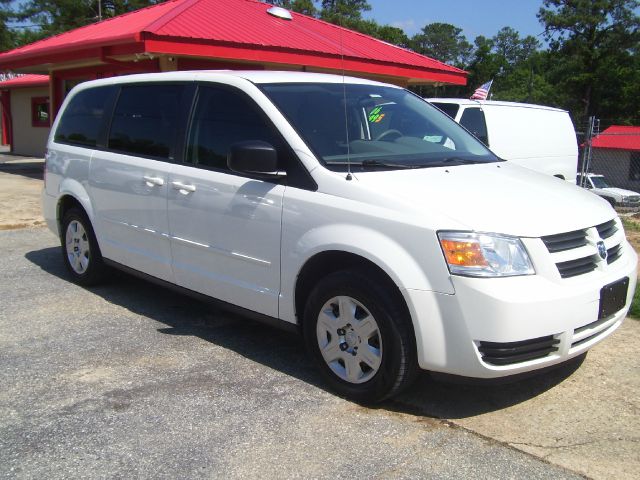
{"points": [[460, 334]]}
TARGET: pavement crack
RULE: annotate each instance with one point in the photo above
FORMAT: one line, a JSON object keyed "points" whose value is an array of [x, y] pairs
{"points": [[572, 445]]}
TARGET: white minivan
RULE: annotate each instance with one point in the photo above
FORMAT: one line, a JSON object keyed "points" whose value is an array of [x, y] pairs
{"points": [[537, 137], [349, 210]]}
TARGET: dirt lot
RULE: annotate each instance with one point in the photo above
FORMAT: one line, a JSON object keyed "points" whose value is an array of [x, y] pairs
{"points": [[583, 417], [20, 186]]}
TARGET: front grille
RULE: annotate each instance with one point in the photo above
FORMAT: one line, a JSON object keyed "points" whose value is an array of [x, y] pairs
{"points": [[607, 229], [614, 253], [584, 340], [508, 353], [588, 332], [565, 241], [579, 266], [560, 247]]}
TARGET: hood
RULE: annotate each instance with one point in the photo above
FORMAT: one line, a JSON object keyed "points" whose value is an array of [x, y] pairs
{"points": [[495, 197]]}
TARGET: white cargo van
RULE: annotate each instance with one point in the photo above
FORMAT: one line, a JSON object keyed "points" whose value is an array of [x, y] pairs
{"points": [[348, 209], [536, 137]]}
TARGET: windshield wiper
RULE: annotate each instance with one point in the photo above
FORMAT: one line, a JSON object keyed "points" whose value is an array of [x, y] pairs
{"points": [[369, 163], [458, 161]]}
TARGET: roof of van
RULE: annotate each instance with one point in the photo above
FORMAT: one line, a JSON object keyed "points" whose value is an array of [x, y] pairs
{"points": [[490, 103], [257, 76]]}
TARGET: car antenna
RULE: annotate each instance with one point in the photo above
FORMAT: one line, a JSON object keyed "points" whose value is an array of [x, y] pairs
{"points": [[344, 100]]}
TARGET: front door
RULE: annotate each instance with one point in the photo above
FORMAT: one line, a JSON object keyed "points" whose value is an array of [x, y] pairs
{"points": [[225, 228]]}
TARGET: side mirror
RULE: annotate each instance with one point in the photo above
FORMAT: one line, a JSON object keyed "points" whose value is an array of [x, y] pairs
{"points": [[255, 158]]}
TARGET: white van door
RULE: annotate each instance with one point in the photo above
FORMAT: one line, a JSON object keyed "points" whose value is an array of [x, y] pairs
{"points": [[225, 228], [128, 183]]}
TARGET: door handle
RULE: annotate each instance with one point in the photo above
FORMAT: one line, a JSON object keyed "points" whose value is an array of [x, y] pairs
{"points": [[184, 188], [151, 181]]}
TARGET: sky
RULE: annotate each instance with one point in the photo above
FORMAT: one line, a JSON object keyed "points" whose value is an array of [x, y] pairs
{"points": [[479, 17]]}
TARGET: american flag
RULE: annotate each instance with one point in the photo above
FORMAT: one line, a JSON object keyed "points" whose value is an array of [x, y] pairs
{"points": [[482, 92]]}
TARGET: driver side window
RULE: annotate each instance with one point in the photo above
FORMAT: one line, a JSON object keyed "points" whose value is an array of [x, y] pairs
{"points": [[221, 118]]}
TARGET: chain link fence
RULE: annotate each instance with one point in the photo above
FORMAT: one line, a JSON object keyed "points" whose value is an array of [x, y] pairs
{"points": [[609, 164]]}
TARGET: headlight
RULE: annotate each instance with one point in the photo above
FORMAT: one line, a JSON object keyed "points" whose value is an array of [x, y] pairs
{"points": [[484, 254]]}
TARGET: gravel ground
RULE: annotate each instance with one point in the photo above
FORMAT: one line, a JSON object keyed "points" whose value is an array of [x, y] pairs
{"points": [[130, 380], [20, 186]]}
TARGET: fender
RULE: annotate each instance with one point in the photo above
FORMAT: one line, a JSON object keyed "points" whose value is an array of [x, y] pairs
{"points": [[388, 254], [75, 189]]}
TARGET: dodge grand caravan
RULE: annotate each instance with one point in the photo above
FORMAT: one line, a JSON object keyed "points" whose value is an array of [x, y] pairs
{"points": [[390, 237]]}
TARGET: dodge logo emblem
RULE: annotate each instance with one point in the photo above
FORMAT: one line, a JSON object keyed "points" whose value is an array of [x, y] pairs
{"points": [[602, 250]]}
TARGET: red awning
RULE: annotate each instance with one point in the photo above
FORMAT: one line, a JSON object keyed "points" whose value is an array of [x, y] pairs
{"points": [[26, 81], [618, 137], [233, 30]]}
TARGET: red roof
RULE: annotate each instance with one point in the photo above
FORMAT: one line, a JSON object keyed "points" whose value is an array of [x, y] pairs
{"points": [[26, 81], [618, 137], [240, 30]]}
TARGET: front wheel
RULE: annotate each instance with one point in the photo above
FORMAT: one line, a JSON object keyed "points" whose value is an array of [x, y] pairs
{"points": [[360, 336], [80, 249]]}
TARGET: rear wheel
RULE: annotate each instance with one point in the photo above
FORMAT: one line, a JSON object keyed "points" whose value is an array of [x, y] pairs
{"points": [[80, 249], [360, 336]]}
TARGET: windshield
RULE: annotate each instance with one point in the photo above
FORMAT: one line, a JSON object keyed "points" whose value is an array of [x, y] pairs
{"points": [[599, 182], [385, 127]]}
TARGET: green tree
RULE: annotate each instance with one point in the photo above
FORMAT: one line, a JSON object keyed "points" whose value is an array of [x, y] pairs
{"points": [[444, 42], [343, 12], [594, 44], [393, 35], [57, 16], [511, 48], [6, 38]]}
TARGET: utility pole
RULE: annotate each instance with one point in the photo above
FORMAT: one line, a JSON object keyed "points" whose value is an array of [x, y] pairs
{"points": [[99, 10]]}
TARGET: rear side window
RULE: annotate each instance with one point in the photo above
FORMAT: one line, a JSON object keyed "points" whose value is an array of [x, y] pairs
{"points": [[450, 109], [83, 119], [145, 120], [473, 120], [223, 117]]}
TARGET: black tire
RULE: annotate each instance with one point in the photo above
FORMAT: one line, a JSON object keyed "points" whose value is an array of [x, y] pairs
{"points": [[397, 353], [611, 201], [82, 258]]}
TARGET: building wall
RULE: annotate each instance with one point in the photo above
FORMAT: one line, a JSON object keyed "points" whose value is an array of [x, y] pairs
{"points": [[615, 165], [27, 139]]}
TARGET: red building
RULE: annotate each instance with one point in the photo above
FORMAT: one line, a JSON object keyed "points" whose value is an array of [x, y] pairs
{"points": [[25, 104], [218, 34], [616, 154]]}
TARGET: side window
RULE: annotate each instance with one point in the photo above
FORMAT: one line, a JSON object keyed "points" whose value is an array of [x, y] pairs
{"points": [[82, 120], [473, 120], [145, 120], [40, 111], [221, 118], [450, 109]]}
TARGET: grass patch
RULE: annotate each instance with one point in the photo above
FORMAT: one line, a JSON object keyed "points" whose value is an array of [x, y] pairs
{"points": [[630, 224], [634, 311]]}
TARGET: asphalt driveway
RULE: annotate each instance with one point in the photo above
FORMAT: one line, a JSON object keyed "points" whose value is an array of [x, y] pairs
{"points": [[130, 380]]}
